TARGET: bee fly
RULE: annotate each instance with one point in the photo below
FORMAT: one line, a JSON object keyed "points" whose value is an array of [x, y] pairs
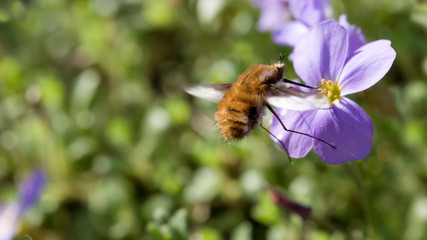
{"points": [[241, 104]]}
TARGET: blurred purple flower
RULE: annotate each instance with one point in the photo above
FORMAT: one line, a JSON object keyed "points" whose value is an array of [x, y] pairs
{"points": [[322, 58], [274, 13], [306, 13], [30, 189], [287, 204], [11, 213], [9, 220]]}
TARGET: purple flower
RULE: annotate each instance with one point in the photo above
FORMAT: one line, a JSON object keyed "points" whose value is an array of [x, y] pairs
{"points": [[30, 189], [274, 13], [356, 39], [11, 213], [310, 12], [287, 204], [306, 13], [9, 220], [322, 58]]}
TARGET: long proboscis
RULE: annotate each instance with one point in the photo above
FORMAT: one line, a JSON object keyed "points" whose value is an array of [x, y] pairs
{"points": [[299, 84]]}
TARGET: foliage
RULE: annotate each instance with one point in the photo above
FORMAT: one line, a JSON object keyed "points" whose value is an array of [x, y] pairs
{"points": [[92, 92]]}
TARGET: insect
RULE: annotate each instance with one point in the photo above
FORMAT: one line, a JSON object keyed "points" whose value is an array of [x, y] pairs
{"points": [[241, 105]]}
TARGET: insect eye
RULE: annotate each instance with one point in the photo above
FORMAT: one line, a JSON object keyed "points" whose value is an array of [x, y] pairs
{"points": [[268, 80]]}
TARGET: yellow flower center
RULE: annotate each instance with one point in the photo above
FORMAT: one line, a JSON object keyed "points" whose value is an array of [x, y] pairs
{"points": [[331, 90]]}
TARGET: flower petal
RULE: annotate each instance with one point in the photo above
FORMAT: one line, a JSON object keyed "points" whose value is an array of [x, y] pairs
{"points": [[297, 145], [368, 65], [321, 53], [346, 126], [356, 38], [31, 188], [310, 12], [273, 14], [9, 220], [289, 33]]}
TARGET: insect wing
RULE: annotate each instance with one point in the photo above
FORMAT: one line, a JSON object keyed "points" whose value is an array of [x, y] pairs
{"points": [[212, 93], [294, 99]]}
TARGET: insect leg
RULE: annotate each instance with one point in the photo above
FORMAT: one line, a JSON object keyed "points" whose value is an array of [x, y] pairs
{"points": [[299, 84], [281, 143], [305, 134]]}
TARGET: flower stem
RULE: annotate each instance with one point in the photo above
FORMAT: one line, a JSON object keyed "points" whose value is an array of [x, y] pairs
{"points": [[356, 173]]}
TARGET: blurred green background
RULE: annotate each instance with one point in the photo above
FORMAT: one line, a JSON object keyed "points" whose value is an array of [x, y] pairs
{"points": [[92, 91]]}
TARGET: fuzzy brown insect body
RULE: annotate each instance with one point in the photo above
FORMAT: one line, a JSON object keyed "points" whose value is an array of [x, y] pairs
{"points": [[242, 106]]}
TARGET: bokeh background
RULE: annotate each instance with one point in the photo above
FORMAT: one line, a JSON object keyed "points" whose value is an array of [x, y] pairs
{"points": [[92, 92]]}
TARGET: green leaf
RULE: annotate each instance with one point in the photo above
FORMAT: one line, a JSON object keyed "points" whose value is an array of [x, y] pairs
{"points": [[178, 224], [265, 211], [158, 232], [242, 232]]}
